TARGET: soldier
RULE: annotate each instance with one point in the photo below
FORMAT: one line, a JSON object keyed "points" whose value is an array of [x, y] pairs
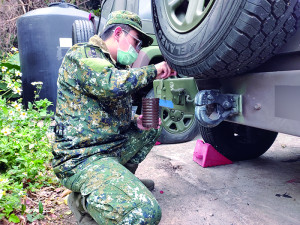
{"points": [[98, 146]]}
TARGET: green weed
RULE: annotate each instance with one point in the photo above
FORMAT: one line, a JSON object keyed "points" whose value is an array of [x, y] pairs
{"points": [[25, 151]]}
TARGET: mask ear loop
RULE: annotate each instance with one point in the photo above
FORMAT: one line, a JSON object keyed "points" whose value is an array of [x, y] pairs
{"points": [[139, 45], [130, 45]]}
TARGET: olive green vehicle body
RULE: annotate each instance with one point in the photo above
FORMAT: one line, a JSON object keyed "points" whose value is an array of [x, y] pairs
{"points": [[268, 95]]}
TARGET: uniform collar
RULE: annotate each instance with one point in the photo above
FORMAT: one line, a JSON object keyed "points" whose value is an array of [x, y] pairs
{"points": [[97, 41]]}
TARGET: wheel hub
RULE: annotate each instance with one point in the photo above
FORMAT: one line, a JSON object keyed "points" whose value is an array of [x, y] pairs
{"points": [[176, 121], [176, 115], [185, 15]]}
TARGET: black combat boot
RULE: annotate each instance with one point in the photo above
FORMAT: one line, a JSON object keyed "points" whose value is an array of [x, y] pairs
{"points": [[148, 183], [77, 205]]}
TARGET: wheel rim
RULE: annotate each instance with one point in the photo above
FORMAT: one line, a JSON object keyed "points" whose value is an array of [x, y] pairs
{"points": [[185, 15], [176, 121]]}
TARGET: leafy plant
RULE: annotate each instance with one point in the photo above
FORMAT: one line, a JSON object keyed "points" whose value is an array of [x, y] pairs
{"points": [[10, 76], [25, 150]]}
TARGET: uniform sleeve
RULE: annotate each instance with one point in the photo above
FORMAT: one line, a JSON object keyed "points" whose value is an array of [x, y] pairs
{"points": [[100, 78]]}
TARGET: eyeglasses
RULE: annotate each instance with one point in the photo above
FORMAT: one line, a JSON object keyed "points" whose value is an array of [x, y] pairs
{"points": [[139, 42]]}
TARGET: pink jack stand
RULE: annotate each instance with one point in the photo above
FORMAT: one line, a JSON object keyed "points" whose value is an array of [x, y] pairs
{"points": [[206, 155]]}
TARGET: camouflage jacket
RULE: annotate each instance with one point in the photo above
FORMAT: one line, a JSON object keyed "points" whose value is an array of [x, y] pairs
{"points": [[93, 105]]}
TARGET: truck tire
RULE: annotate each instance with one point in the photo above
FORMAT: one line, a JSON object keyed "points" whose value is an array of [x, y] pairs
{"points": [[238, 142], [186, 129], [222, 37], [82, 31]]}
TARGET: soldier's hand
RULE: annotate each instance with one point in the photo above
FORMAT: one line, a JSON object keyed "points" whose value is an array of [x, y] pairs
{"points": [[164, 70]]}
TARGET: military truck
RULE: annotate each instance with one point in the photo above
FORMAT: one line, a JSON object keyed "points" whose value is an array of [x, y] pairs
{"points": [[238, 64]]}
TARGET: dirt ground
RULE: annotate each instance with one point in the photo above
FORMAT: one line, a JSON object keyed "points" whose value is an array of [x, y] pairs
{"points": [[261, 191]]}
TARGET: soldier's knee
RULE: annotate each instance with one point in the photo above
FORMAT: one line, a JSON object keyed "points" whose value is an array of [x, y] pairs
{"points": [[153, 213], [144, 214]]}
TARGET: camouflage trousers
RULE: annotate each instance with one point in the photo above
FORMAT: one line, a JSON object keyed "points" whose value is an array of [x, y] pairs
{"points": [[113, 195]]}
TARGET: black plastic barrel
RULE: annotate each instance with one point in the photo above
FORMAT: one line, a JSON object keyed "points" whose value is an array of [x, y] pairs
{"points": [[44, 36]]}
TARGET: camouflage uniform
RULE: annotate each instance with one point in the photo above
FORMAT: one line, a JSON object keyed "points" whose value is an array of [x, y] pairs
{"points": [[95, 135]]}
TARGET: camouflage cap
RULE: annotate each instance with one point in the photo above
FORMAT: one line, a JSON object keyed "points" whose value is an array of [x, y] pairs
{"points": [[131, 19]]}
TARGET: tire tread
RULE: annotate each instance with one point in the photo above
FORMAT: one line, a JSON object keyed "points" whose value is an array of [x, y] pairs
{"points": [[82, 31], [259, 30]]}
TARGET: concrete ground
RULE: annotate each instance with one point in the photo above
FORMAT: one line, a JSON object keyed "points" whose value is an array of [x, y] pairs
{"points": [[261, 191]]}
